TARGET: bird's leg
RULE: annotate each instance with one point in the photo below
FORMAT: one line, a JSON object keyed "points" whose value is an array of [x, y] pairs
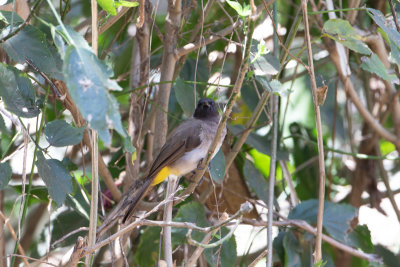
{"points": [[199, 165]]}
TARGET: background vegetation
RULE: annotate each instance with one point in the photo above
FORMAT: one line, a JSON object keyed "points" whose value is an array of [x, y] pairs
{"points": [[310, 99]]}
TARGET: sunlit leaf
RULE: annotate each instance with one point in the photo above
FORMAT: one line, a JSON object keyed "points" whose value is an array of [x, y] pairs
{"points": [[126, 3], [242, 11], [17, 92], [56, 177], [342, 32], [108, 5], [88, 80]]}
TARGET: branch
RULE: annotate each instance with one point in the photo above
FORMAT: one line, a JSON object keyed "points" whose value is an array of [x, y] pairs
{"points": [[321, 161], [244, 208], [94, 153], [12, 232], [172, 181], [167, 70], [128, 228]]}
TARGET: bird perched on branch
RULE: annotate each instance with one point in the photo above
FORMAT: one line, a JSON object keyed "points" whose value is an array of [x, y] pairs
{"points": [[182, 153]]}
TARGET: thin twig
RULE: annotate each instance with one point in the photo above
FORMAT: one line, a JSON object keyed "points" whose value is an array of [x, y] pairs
{"points": [[12, 232], [259, 257], [394, 15], [186, 49], [244, 208], [288, 178], [321, 161], [128, 228], [32, 259]]}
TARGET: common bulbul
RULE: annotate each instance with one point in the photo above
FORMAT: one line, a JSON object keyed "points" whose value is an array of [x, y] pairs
{"points": [[185, 148]]}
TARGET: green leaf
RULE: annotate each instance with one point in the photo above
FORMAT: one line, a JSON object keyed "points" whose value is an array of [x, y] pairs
{"points": [[7, 17], [256, 180], [185, 95], [147, 251], [266, 64], [17, 92], [55, 176], [374, 65], [88, 80], [3, 127], [31, 43], [59, 133], [389, 258], [360, 238], [108, 5], [342, 32], [337, 217], [217, 167], [192, 212], [273, 86], [126, 3], [386, 25], [224, 255], [292, 250], [243, 12], [5, 174]]}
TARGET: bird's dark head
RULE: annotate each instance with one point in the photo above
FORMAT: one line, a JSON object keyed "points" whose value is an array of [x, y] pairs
{"points": [[206, 108]]}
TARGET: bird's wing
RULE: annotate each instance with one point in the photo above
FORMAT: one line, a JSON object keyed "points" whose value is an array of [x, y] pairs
{"points": [[186, 137]]}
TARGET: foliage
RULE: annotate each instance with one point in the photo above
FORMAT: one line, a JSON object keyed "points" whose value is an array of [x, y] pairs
{"points": [[48, 109]]}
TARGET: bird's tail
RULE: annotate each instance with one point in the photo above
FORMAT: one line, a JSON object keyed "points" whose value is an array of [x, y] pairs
{"points": [[134, 196], [127, 205]]}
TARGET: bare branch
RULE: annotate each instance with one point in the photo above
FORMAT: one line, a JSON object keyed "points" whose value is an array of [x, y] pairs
{"points": [[321, 160]]}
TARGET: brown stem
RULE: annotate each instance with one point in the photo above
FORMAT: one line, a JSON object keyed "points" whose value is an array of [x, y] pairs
{"points": [[321, 160]]}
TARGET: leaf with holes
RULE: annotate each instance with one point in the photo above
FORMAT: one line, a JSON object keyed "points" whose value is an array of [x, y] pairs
{"points": [[59, 133], [56, 177], [88, 80]]}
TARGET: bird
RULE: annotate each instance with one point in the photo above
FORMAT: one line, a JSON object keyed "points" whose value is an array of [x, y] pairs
{"points": [[184, 150]]}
